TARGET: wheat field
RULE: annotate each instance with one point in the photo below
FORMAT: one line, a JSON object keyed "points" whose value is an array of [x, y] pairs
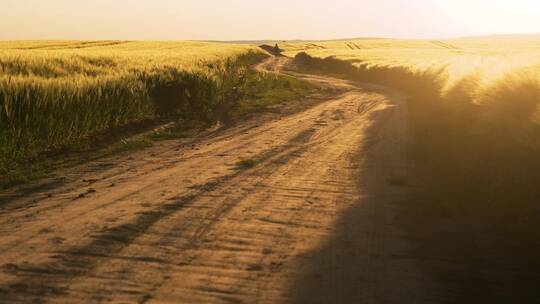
{"points": [[56, 92], [489, 57], [474, 112]]}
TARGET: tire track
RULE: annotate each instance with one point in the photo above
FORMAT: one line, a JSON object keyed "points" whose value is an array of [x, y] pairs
{"points": [[184, 225]]}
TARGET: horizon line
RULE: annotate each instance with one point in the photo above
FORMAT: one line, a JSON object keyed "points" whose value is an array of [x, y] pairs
{"points": [[283, 40]]}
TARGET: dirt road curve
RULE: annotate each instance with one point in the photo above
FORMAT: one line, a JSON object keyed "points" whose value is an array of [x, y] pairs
{"points": [[313, 221]]}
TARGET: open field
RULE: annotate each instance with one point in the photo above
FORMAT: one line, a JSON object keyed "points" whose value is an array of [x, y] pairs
{"points": [[55, 92], [59, 93], [294, 205], [270, 152], [488, 57], [383, 170], [474, 108]]}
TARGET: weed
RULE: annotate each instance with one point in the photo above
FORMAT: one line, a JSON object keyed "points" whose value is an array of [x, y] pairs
{"points": [[246, 164]]}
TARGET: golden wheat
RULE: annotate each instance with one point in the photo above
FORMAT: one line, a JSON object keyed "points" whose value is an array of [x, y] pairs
{"points": [[55, 92]]}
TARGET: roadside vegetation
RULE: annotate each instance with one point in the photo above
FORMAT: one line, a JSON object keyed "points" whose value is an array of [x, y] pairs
{"points": [[69, 96], [476, 141]]}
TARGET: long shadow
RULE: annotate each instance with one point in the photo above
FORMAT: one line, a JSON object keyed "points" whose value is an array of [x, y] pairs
{"points": [[398, 243], [38, 283], [389, 247], [367, 258], [409, 239]]}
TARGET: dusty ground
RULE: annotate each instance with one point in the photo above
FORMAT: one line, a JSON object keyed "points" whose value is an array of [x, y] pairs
{"points": [[315, 219]]}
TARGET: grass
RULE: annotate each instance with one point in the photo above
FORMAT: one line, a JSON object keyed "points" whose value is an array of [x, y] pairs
{"points": [[45, 165], [19, 176], [275, 90], [173, 134], [491, 58], [246, 164], [56, 94], [60, 100]]}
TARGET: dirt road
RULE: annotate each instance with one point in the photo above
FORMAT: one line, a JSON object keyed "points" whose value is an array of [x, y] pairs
{"points": [[311, 218]]}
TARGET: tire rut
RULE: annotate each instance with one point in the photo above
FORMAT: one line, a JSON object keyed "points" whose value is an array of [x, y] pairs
{"points": [[184, 225], [78, 262]]}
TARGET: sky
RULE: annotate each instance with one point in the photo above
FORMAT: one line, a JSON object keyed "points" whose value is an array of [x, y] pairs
{"points": [[260, 20]]}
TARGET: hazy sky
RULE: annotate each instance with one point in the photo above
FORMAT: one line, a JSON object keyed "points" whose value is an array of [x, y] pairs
{"points": [[269, 19]]}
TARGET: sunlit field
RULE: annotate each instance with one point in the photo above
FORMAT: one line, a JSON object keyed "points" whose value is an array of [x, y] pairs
{"points": [[476, 85], [474, 109], [204, 151], [488, 57], [54, 93]]}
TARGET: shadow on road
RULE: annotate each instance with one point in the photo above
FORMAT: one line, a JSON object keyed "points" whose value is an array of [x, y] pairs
{"points": [[368, 256], [394, 246]]}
